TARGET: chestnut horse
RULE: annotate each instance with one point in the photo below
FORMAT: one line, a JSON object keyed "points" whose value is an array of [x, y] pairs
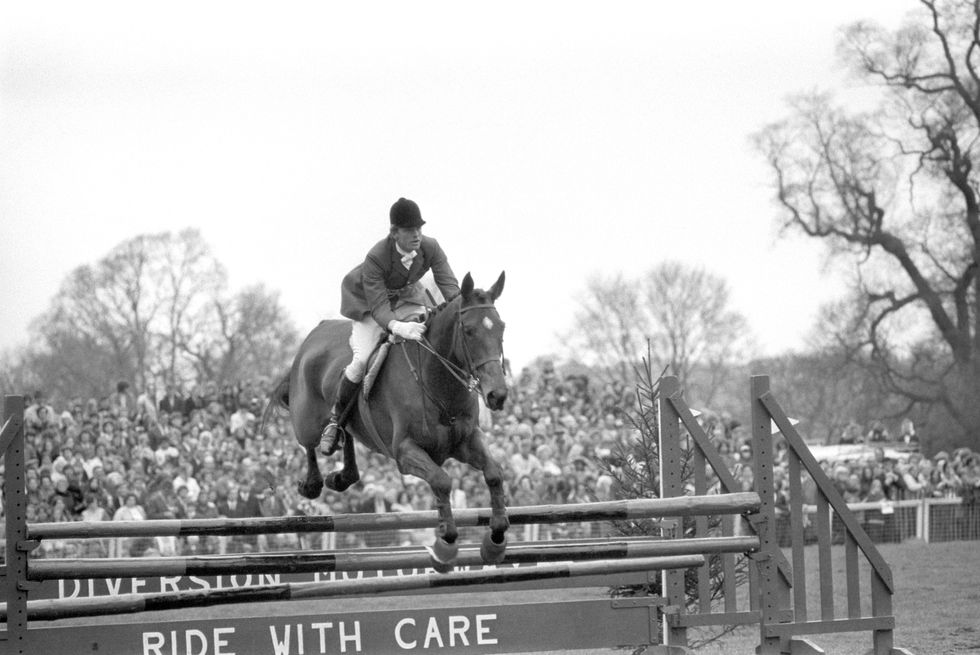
{"points": [[422, 410]]}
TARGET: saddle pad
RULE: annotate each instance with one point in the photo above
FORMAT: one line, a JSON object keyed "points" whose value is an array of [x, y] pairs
{"points": [[375, 361]]}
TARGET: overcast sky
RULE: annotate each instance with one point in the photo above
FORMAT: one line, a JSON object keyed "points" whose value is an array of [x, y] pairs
{"points": [[552, 140]]}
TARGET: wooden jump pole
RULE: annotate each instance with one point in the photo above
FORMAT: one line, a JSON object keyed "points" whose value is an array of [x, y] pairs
{"points": [[416, 558], [612, 510], [130, 603]]}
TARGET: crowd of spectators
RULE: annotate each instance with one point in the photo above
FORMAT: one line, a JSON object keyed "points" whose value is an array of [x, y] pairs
{"points": [[136, 455], [147, 455], [884, 469]]}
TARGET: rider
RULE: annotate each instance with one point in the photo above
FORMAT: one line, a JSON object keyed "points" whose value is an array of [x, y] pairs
{"points": [[384, 293]]}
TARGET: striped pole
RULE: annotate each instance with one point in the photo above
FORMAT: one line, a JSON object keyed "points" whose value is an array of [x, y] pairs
{"points": [[380, 560], [613, 510], [131, 603]]}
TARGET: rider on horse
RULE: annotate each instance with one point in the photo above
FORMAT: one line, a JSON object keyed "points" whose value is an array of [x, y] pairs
{"points": [[384, 293]]}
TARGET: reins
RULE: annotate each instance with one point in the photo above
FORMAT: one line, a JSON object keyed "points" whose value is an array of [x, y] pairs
{"points": [[466, 377]]}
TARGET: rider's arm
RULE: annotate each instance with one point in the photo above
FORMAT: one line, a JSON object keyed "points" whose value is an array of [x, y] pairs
{"points": [[373, 274], [441, 271]]}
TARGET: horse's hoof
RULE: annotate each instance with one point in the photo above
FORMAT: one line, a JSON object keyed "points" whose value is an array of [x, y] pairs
{"points": [[443, 555], [310, 490], [441, 567], [335, 481], [490, 551]]}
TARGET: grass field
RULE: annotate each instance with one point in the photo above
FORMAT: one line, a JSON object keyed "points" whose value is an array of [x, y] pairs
{"points": [[936, 605]]}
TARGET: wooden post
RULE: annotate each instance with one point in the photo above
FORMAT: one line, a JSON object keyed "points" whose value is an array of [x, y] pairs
{"points": [[773, 596], [14, 580], [671, 486]]}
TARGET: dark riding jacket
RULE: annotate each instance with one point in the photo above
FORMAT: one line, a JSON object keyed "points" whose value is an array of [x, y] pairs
{"points": [[381, 285]]}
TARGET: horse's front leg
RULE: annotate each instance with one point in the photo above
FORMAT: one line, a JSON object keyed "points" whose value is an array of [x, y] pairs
{"points": [[474, 452], [415, 461]]}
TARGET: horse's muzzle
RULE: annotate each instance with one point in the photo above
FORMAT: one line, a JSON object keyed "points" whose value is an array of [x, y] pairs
{"points": [[496, 398]]}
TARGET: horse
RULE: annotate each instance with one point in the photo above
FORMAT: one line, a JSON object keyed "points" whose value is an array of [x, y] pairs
{"points": [[423, 407]]}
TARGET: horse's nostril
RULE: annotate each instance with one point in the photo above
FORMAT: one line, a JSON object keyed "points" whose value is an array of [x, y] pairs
{"points": [[496, 399]]}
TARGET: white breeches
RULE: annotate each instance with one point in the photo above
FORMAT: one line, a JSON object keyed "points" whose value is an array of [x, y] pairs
{"points": [[363, 338]]}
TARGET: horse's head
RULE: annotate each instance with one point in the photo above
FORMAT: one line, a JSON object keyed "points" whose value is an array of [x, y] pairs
{"points": [[482, 339]]}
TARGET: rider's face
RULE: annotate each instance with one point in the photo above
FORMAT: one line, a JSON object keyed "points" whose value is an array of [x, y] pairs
{"points": [[408, 238]]}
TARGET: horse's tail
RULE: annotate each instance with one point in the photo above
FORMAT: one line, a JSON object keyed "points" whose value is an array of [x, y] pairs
{"points": [[278, 400]]}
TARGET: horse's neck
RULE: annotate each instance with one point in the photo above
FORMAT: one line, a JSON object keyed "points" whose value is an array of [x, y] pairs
{"points": [[441, 334]]}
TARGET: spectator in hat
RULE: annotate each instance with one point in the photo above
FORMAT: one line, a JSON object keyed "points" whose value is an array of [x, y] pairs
{"points": [[384, 293]]}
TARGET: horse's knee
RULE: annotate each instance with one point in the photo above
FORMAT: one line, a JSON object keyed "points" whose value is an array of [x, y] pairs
{"points": [[493, 475], [441, 484]]}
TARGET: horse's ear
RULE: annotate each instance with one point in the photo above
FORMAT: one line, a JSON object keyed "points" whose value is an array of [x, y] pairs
{"points": [[467, 287], [497, 287]]}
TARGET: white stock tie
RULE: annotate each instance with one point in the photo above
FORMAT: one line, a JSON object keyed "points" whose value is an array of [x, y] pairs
{"points": [[407, 259]]}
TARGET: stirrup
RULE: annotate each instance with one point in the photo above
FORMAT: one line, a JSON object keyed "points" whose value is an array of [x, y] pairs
{"points": [[332, 437]]}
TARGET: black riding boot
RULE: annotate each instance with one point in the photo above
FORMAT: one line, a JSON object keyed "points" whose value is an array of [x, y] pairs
{"points": [[330, 438]]}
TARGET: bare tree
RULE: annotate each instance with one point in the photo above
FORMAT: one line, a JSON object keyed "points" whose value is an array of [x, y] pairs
{"points": [[683, 314], [192, 280], [249, 334], [893, 191], [156, 306]]}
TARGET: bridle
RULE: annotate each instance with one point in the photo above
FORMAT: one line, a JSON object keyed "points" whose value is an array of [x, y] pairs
{"points": [[465, 376], [467, 355]]}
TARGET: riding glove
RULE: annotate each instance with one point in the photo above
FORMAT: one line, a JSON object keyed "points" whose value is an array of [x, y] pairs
{"points": [[407, 330]]}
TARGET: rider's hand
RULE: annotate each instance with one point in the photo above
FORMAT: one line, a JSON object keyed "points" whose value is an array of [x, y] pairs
{"points": [[407, 330]]}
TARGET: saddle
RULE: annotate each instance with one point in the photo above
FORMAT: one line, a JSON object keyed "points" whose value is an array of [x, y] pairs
{"points": [[375, 361], [406, 311]]}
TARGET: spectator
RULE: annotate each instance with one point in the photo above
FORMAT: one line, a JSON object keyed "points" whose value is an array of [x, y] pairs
{"points": [[161, 501], [878, 433], [172, 402], [121, 402], [38, 414], [69, 490], [185, 478], [240, 420], [524, 462], [892, 483], [130, 511], [146, 406]]}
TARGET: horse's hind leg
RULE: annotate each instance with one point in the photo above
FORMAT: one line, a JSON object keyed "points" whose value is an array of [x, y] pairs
{"points": [[474, 452], [349, 474], [415, 461]]}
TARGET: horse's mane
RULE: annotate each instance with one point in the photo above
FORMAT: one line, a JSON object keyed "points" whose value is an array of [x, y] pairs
{"points": [[479, 295], [443, 305]]}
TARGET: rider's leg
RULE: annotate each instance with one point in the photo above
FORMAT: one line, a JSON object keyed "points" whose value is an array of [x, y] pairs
{"points": [[364, 336]]}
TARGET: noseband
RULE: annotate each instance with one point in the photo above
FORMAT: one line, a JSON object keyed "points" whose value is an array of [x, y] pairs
{"points": [[467, 356], [467, 377]]}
